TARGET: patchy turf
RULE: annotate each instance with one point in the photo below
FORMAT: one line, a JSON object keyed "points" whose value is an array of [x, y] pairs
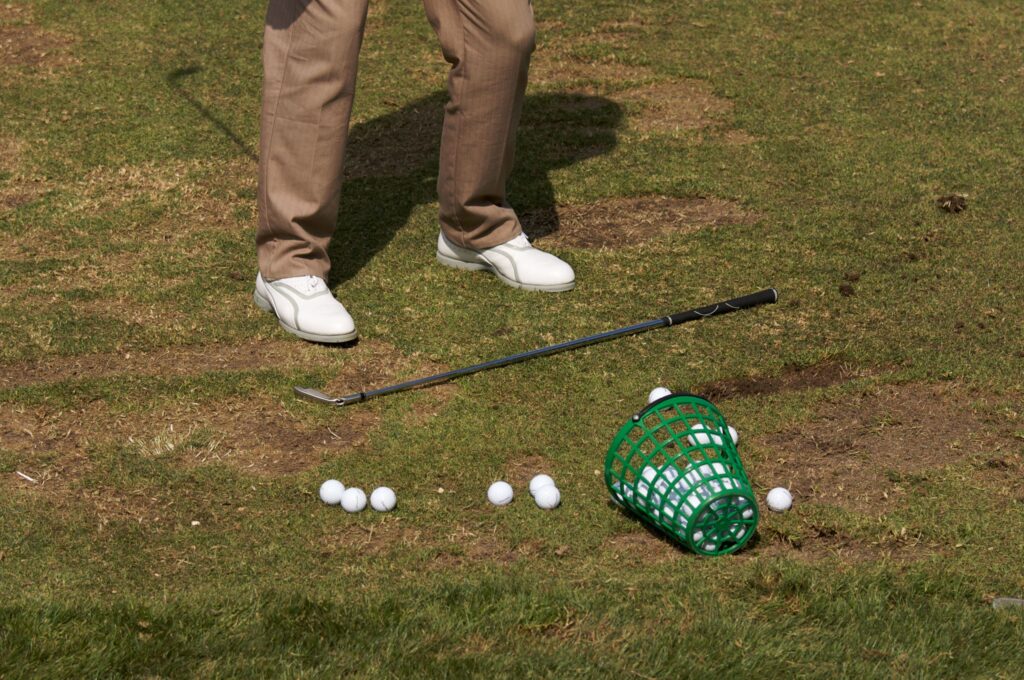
{"points": [[166, 362], [867, 451], [678, 106], [794, 378], [863, 159], [257, 435], [629, 222], [26, 47]]}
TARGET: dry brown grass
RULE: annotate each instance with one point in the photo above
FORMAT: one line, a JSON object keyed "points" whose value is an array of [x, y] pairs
{"points": [[17, 190], [555, 69], [677, 106], [27, 48]]}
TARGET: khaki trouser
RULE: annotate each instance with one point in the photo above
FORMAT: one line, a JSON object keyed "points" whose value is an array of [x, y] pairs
{"points": [[310, 53]]}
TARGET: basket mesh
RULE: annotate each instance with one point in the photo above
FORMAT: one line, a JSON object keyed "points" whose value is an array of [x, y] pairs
{"points": [[675, 466]]}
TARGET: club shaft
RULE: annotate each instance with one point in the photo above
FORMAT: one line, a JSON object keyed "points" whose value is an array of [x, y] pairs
{"points": [[766, 296]]}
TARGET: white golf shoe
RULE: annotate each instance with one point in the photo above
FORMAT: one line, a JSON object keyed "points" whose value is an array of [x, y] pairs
{"points": [[514, 262], [305, 307]]}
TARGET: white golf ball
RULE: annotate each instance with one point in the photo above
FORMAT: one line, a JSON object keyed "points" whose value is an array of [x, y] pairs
{"points": [[548, 497], [779, 499], [539, 482], [383, 499], [500, 493], [658, 393], [734, 435], [330, 491], [700, 439], [353, 500], [621, 492]]}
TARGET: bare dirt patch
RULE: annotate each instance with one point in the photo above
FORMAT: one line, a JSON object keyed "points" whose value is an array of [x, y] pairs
{"points": [[625, 222], [643, 546], [792, 379], [865, 452], [524, 469], [678, 106], [256, 435], [376, 539], [25, 45], [473, 545], [166, 362], [259, 434], [819, 542]]}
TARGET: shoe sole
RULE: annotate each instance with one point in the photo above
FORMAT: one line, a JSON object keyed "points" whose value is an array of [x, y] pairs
{"points": [[265, 304], [480, 266]]}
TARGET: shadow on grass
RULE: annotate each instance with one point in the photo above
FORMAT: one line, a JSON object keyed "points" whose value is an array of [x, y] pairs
{"points": [[391, 163], [391, 166], [174, 80]]}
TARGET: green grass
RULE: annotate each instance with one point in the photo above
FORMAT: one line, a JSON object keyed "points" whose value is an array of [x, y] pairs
{"points": [[134, 235]]}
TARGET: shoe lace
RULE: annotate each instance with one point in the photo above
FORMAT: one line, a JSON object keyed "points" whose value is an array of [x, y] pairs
{"points": [[312, 283]]}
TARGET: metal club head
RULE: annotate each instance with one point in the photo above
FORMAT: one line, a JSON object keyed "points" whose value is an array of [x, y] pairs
{"points": [[321, 398]]}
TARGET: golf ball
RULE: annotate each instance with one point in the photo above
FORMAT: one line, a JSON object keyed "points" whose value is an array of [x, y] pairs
{"points": [[658, 393], [330, 491], [621, 492], [700, 439], [548, 497], [500, 493], [353, 500], [539, 482], [779, 499], [383, 499]]}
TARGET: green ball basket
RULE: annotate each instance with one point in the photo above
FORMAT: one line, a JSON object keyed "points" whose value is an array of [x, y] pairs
{"points": [[675, 466]]}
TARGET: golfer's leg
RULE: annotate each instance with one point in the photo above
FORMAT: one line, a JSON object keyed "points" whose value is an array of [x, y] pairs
{"points": [[488, 43], [310, 54]]}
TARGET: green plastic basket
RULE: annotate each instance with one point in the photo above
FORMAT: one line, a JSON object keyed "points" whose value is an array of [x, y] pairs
{"points": [[675, 466]]}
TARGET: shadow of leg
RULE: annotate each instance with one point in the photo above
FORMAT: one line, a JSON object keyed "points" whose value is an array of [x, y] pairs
{"points": [[391, 167]]}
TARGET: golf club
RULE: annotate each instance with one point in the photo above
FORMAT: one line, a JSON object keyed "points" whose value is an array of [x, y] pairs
{"points": [[767, 296]]}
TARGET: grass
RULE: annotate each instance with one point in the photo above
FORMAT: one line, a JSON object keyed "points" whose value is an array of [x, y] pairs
{"points": [[175, 529]]}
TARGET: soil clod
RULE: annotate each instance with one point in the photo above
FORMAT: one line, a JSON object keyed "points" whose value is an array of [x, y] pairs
{"points": [[953, 203]]}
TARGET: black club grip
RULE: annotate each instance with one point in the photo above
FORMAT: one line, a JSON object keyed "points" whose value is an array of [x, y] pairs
{"points": [[761, 297]]}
